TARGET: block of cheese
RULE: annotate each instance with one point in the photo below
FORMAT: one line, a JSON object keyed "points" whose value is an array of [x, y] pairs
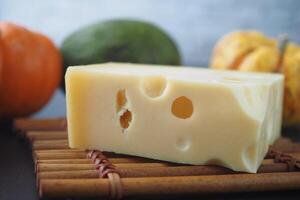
{"points": [[178, 114]]}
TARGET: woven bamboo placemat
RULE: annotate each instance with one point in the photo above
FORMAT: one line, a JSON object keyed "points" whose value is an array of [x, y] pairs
{"points": [[64, 172]]}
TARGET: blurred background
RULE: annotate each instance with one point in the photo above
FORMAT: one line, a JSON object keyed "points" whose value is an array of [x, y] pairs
{"points": [[194, 25]]}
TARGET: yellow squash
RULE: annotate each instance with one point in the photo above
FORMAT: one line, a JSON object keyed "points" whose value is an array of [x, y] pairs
{"points": [[253, 51]]}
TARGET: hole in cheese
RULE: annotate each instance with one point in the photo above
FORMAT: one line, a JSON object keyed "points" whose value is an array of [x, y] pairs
{"points": [[125, 115], [125, 119], [121, 100], [182, 107], [154, 86], [183, 144]]}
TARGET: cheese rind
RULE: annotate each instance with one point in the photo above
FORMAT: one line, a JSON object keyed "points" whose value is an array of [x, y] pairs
{"points": [[183, 115]]}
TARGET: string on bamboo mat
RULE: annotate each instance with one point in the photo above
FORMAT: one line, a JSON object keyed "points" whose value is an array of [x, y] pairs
{"points": [[279, 157], [107, 170]]}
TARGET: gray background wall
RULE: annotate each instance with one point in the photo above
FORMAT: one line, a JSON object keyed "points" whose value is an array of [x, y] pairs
{"points": [[195, 25]]}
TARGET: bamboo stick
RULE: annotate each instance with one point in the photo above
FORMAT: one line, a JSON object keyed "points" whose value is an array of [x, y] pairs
{"points": [[158, 171], [82, 160], [50, 144], [50, 151], [118, 162], [267, 161], [60, 155], [65, 188], [46, 135], [74, 153], [70, 165], [176, 185], [42, 167], [24, 124], [92, 173], [66, 161], [286, 145]]}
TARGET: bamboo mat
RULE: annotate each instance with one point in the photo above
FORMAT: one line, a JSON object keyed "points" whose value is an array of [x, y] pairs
{"points": [[64, 172]]}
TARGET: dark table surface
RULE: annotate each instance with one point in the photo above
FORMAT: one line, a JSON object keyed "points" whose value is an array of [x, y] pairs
{"points": [[17, 179]]}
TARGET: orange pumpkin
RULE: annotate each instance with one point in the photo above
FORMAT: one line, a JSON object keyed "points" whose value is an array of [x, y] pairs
{"points": [[31, 70]]}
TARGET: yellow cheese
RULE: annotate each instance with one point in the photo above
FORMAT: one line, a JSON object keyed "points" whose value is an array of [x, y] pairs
{"points": [[177, 114]]}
